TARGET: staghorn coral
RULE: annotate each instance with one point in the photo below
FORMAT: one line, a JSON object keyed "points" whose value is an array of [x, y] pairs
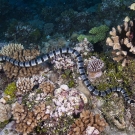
{"points": [[122, 40], [27, 120], [13, 71], [87, 119], [94, 68]]}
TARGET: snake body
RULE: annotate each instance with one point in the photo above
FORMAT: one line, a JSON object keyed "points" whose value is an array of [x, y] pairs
{"points": [[80, 66]]}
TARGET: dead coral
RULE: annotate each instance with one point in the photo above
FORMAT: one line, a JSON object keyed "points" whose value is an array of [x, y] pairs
{"points": [[27, 120], [13, 71], [123, 42], [87, 119], [47, 87]]}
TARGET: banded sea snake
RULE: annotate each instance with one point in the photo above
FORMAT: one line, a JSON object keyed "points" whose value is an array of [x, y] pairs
{"points": [[80, 66]]}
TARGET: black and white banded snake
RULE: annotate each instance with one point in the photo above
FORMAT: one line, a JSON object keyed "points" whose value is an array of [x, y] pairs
{"points": [[80, 66]]}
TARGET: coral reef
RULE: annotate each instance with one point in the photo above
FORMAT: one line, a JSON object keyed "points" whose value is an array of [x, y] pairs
{"points": [[67, 101], [84, 47], [63, 62], [47, 87], [23, 55], [53, 43], [22, 33], [94, 68], [27, 120], [122, 40], [24, 85], [5, 112], [11, 90], [97, 34], [114, 111], [10, 49], [80, 126]]}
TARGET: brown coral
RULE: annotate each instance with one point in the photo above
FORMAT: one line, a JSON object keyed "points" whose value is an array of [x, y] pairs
{"points": [[9, 49], [123, 42], [87, 119], [47, 87], [24, 85], [13, 71], [27, 120]]}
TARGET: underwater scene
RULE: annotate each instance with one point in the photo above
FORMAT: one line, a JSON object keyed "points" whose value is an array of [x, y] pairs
{"points": [[67, 67]]}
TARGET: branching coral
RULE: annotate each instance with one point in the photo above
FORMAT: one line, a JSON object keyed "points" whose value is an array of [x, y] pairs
{"points": [[87, 119], [10, 49], [24, 85], [123, 42], [27, 120], [47, 87], [13, 71], [97, 34]]}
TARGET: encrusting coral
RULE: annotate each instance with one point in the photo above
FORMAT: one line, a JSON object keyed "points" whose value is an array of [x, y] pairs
{"points": [[13, 71], [122, 40], [87, 119]]}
